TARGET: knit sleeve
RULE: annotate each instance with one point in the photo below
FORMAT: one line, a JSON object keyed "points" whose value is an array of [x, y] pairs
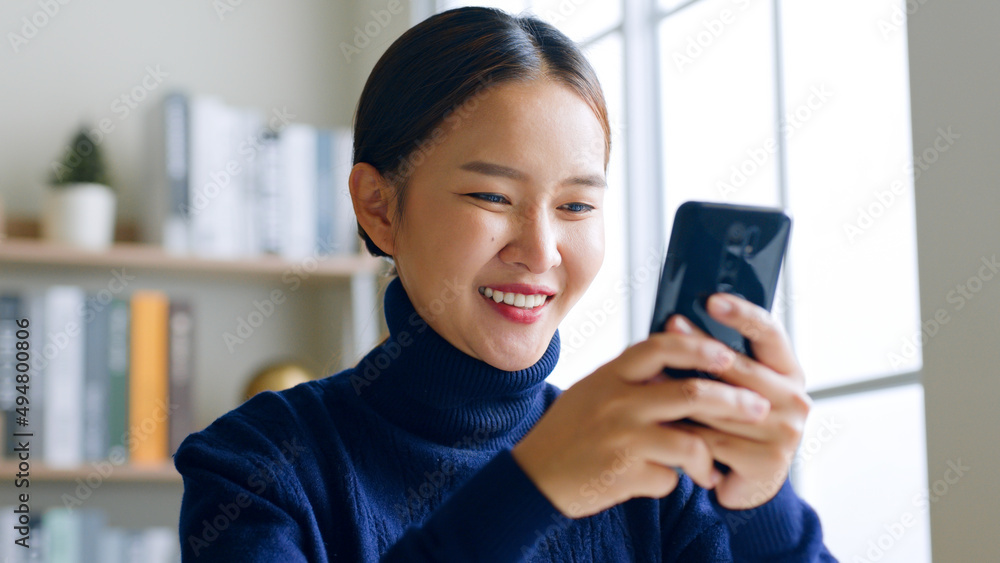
{"points": [[517, 516], [784, 529], [232, 508], [696, 528]]}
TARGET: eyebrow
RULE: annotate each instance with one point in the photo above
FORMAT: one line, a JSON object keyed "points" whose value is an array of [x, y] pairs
{"points": [[499, 170]]}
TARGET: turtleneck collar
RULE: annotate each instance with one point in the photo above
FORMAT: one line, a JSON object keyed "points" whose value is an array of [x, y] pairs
{"points": [[425, 385]]}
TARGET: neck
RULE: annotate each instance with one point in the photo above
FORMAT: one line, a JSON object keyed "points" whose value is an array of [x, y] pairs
{"points": [[422, 383]]}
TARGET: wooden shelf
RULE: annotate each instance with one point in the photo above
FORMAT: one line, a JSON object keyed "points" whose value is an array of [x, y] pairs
{"points": [[146, 256], [118, 474]]}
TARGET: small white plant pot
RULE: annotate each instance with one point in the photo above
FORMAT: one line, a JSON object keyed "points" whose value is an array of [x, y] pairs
{"points": [[80, 215]]}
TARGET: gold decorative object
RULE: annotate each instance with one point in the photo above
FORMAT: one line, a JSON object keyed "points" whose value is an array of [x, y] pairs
{"points": [[277, 377]]}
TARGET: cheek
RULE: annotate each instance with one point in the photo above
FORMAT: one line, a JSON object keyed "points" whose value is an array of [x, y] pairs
{"points": [[586, 247], [452, 238]]}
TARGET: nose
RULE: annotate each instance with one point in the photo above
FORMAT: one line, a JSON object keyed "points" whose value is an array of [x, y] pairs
{"points": [[534, 244]]}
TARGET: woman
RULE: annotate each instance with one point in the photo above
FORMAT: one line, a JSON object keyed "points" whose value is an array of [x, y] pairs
{"points": [[481, 143]]}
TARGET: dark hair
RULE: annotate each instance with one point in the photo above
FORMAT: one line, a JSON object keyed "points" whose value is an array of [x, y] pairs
{"points": [[442, 64]]}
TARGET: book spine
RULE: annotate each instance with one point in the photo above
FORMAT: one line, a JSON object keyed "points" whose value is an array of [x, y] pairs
{"points": [[65, 334], [209, 151], [248, 150], [269, 200], [34, 304], [166, 174], [226, 188], [10, 311], [298, 161], [148, 385], [325, 191], [118, 378], [345, 237], [96, 383], [182, 341], [63, 532], [176, 160], [92, 522]]}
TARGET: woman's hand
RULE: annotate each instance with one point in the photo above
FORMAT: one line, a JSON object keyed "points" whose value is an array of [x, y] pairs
{"points": [[609, 438], [759, 454]]}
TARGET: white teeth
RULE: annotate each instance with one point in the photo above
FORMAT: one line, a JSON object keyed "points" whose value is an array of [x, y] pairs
{"points": [[516, 299]]}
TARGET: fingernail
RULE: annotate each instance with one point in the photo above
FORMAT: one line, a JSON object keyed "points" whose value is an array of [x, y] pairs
{"points": [[720, 305], [683, 325]]}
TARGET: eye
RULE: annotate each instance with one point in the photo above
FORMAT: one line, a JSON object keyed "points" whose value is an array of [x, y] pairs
{"points": [[580, 208], [491, 198]]}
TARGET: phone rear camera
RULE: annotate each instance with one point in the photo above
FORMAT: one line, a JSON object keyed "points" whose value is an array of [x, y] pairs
{"points": [[736, 233]]}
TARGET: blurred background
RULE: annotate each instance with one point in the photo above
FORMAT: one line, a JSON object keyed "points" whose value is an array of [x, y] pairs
{"points": [[872, 122]]}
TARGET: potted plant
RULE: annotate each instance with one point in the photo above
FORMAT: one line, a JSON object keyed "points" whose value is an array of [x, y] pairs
{"points": [[79, 207]]}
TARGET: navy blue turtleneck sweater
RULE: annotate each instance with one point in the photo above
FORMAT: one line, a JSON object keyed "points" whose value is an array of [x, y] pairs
{"points": [[406, 457]]}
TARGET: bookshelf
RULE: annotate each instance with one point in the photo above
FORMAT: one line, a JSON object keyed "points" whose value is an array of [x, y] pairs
{"points": [[138, 255], [162, 474], [332, 318]]}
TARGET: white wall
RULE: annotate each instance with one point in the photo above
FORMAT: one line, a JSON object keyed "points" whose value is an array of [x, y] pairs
{"points": [[88, 54], [955, 82], [262, 55]]}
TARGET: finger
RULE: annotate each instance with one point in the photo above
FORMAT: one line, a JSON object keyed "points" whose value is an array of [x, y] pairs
{"points": [[734, 368], [757, 431], [673, 447], [700, 399], [747, 484], [768, 340], [647, 359], [742, 455]]}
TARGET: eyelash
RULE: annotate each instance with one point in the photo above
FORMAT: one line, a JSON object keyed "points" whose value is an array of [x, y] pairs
{"points": [[501, 199]]}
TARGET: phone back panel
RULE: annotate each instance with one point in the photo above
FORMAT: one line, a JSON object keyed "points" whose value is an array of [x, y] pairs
{"points": [[716, 247]]}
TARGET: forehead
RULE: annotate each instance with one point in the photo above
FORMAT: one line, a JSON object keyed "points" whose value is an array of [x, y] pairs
{"points": [[538, 122]]}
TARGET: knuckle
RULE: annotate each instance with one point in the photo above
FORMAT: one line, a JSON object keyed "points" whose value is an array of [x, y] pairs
{"points": [[801, 403], [693, 447], [664, 482], [693, 389], [790, 430]]}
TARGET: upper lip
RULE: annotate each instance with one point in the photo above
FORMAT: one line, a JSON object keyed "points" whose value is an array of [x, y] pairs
{"points": [[525, 288]]}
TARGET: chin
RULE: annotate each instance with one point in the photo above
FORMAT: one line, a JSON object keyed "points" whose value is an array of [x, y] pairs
{"points": [[522, 359]]}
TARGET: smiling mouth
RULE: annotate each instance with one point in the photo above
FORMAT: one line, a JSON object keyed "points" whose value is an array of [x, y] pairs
{"points": [[520, 300]]}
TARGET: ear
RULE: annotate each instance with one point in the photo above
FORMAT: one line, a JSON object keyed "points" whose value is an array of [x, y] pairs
{"points": [[370, 194]]}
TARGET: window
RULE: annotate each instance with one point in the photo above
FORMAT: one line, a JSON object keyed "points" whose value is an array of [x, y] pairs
{"points": [[805, 106]]}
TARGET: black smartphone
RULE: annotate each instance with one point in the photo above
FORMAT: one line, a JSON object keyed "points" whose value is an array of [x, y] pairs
{"points": [[719, 247]]}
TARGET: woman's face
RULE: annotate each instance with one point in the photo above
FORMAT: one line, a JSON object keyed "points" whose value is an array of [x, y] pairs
{"points": [[509, 199]]}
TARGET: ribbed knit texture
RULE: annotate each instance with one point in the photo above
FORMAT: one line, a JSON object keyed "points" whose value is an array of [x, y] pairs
{"points": [[406, 457]]}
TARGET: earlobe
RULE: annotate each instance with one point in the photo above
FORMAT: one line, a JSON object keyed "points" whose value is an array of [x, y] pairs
{"points": [[369, 194]]}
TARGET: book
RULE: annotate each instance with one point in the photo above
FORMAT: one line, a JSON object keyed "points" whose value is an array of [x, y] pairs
{"points": [[298, 164], [326, 191], [268, 201], [33, 303], [148, 383], [64, 374], [248, 127], [168, 204], [96, 380], [118, 379], [345, 227], [208, 179], [182, 341], [73, 535], [10, 312]]}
